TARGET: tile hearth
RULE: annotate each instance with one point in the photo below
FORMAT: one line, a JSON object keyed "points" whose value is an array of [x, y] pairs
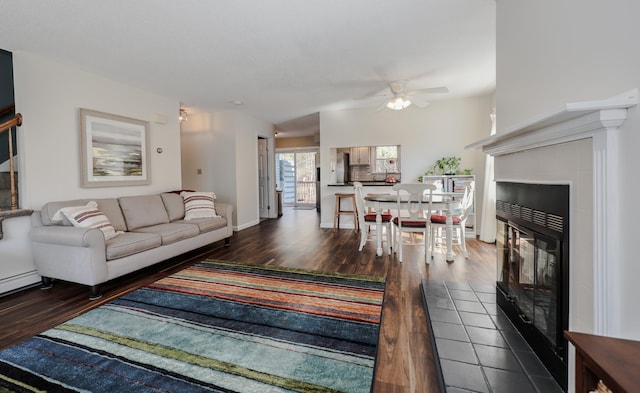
{"points": [[477, 347]]}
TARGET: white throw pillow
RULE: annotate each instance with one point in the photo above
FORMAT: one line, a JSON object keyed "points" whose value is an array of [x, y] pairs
{"points": [[199, 205], [89, 216], [58, 218]]}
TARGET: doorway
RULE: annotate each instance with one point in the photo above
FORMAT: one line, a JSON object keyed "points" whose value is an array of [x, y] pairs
{"points": [[296, 178]]}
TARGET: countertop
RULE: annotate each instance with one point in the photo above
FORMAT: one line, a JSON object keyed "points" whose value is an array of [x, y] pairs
{"points": [[364, 183]]}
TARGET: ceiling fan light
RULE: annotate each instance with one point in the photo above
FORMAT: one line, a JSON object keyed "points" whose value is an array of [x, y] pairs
{"points": [[398, 103]]}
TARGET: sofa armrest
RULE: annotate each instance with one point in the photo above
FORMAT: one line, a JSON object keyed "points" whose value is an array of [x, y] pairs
{"points": [[224, 209], [68, 236]]}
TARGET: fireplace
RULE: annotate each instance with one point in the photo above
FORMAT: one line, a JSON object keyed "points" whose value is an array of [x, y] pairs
{"points": [[533, 267], [576, 144]]}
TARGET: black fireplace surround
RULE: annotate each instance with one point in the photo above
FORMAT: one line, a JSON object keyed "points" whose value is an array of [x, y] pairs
{"points": [[533, 267]]}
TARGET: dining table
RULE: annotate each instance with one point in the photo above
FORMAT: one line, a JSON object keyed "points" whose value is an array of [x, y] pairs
{"points": [[445, 202]]}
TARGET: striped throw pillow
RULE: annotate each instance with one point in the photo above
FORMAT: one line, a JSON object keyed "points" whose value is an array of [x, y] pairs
{"points": [[199, 205], [89, 216]]}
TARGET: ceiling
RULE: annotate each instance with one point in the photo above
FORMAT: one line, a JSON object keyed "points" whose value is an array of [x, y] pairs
{"points": [[283, 60]]}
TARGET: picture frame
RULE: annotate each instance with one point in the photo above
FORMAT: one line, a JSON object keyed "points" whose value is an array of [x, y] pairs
{"points": [[114, 150]]}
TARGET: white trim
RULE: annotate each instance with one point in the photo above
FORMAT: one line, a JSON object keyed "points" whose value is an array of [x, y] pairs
{"points": [[572, 122], [18, 281], [606, 246], [238, 228]]}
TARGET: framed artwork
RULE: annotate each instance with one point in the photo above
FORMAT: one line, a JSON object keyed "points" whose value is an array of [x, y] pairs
{"points": [[115, 150]]}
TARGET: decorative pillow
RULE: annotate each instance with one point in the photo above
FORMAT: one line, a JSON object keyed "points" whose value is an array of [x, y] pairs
{"points": [[199, 205], [89, 216], [58, 218]]}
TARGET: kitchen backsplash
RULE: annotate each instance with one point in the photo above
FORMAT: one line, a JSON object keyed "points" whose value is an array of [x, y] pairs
{"points": [[363, 173]]}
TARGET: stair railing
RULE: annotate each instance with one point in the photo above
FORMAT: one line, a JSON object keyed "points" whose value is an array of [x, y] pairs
{"points": [[16, 121]]}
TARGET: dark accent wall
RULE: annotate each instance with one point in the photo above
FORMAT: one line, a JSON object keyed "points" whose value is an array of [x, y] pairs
{"points": [[6, 98]]}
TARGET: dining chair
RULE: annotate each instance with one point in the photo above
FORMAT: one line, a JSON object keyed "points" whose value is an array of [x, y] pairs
{"points": [[367, 219], [459, 217], [411, 199], [371, 210]]}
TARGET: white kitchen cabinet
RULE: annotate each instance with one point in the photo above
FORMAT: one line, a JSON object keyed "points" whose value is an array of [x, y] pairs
{"points": [[360, 156]]}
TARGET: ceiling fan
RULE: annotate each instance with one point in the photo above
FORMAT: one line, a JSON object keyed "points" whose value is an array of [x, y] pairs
{"points": [[401, 98]]}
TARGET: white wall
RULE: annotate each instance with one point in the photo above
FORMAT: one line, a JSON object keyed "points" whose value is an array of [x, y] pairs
{"points": [[551, 52], [225, 146], [49, 95], [443, 128]]}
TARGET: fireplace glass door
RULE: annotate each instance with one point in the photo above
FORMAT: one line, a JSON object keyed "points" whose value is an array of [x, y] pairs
{"points": [[527, 274], [532, 285]]}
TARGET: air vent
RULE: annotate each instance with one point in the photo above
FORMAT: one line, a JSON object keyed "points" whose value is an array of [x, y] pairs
{"points": [[555, 222], [539, 218], [547, 220]]}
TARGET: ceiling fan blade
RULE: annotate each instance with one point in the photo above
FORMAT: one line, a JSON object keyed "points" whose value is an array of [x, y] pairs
{"points": [[420, 103], [377, 93], [381, 106], [430, 90]]}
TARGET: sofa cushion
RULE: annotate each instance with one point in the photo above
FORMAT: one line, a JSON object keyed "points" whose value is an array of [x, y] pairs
{"points": [[109, 206], [89, 216], [207, 224], [171, 232], [199, 205], [143, 211], [174, 204], [129, 243]]}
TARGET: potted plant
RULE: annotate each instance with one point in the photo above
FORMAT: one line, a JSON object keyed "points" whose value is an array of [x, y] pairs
{"points": [[446, 166]]}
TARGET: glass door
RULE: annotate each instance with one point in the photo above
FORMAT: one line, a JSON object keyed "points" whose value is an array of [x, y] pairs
{"points": [[296, 177], [546, 295], [503, 245], [524, 283]]}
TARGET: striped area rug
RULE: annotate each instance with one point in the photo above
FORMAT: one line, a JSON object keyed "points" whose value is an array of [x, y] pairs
{"points": [[214, 327]]}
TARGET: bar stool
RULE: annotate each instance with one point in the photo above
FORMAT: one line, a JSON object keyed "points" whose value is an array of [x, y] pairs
{"points": [[339, 211]]}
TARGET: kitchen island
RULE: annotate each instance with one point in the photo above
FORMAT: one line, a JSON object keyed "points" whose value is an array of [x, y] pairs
{"points": [[328, 203]]}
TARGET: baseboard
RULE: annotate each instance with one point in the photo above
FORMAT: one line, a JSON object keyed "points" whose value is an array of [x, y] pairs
{"points": [[238, 228], [13, 283]]}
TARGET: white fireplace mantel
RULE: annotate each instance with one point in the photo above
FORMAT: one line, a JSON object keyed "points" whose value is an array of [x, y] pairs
{"points": [[574, 121], [599, 121]]}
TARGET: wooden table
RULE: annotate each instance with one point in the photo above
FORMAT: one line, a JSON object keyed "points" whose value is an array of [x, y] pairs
{"points": [[447, 202], [614, 361]]}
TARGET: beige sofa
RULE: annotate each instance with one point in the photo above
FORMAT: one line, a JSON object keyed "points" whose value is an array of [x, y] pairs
{"points": [[151, 228]]}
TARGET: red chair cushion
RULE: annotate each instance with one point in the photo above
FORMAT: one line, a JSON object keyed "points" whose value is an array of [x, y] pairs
{"points": [[411, 224], [372, 217], [438, 219]]}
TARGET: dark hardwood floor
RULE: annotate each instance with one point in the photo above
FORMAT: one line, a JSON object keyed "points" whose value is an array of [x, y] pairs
{"points": [[405, 360]]}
